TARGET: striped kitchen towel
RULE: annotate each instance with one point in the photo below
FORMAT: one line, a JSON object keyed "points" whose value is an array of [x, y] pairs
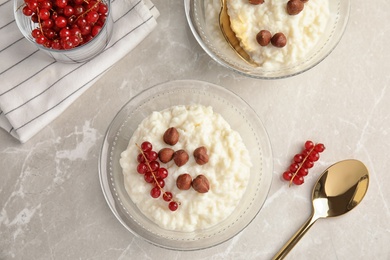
{"points": [[35, 89]]}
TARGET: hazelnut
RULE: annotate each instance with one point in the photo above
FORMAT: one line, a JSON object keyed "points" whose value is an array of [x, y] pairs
{"points": [[183, 182], [171, 136], [256, 2], [165, 155], [200, 155], [304, 1], [201, 184], [294, 7], [180, 157], [263, 37], [279, 40]]}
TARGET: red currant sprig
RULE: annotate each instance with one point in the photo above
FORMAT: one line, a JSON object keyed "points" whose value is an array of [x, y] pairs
{"points": [[154, 174], [302, 162]]}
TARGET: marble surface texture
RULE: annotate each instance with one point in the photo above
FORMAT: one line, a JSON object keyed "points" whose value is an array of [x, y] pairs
{"points": [[51, 203]]}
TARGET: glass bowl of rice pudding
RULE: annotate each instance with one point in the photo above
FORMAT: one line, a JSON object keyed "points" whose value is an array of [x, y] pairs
{"points": [[239, 166], [311, 35]]}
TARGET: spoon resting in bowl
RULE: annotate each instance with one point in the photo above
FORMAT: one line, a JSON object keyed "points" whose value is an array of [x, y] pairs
{"points": [[339, 189], [230, 36]]}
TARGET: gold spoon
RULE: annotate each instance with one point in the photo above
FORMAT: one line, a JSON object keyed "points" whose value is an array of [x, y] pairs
{"points": [[230, 36], [339, 189]]}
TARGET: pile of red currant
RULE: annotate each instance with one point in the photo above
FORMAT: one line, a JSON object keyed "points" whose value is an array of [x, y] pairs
{"points": [[65, 24], [302, 162], [154, 174]]}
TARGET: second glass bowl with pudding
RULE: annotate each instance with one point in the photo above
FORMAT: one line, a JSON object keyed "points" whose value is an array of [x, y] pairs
{"points": [[310, 35]]}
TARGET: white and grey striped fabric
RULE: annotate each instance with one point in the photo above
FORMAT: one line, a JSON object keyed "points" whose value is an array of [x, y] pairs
{"points": [[34, 89]]}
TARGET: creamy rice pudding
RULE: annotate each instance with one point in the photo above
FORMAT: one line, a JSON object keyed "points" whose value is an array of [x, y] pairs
{"points": [[227, 169], [302, 31]]}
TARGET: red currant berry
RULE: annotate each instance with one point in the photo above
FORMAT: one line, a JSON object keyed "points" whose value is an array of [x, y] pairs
{"points": [[48, 44], [298, 158], [167, 196], [49, 33], [60, 22], [309, 145], [74, 40], [41, 39], [160, 183], [294, 167], [93, 6], [154, 165], [140, 158], [68, 11], [44, 14], [87, 38], [81, 22], [287, 175], [34, 18], [64, 33], [298, 180], [155, 192], [151, 155], [314, 156], [145, 146], [305, 153], [142, 168], [173, 205], [67, 44], [95, 30], [45, 4], [319, 148], [49, 23], [162, 173], [27, 11], [85, 30], [149, 177], [303, 172], [32, 4], [78, 10], [92, 17], [103, 9], [56, 45], [36, 32], [76, 32], [309, 164], [71, 21], [54, 15], [102, 20], [61, 3]]}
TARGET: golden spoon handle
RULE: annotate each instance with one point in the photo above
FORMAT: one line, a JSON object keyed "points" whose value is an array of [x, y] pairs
{"points": [[294, 239]]}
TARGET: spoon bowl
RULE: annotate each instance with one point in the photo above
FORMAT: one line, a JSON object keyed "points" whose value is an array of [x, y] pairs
{"points": [[339, 189], [230, 36]]}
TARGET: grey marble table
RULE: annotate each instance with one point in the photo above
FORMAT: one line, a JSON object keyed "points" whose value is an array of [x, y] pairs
{"points": [[51, 204]]}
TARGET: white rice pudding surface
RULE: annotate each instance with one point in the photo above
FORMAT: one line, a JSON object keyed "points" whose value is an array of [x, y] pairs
{"points": [[228, 168], [302, 31]]}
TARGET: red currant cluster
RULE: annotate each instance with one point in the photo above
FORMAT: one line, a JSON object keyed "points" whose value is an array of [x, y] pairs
{"points": [[154, 174], [302, 162], [65, 24]]}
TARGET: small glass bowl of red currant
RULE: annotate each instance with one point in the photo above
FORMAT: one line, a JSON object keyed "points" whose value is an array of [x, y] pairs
{"points": [[70, 31]]}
